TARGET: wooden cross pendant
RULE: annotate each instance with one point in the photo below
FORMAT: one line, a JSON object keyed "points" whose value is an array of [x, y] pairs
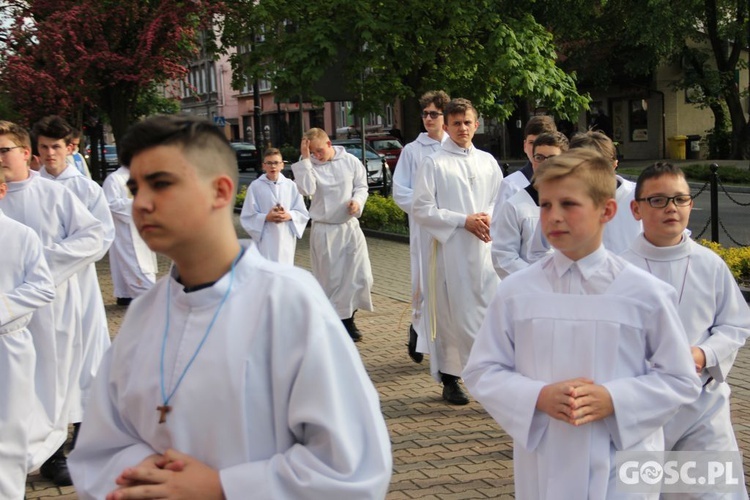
{"points": [[163, 410]]}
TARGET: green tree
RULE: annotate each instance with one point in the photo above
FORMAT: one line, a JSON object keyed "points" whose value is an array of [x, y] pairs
{"points": [[492, 52]]}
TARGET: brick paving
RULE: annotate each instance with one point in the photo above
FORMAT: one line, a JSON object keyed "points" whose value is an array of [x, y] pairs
{"points": [[440, 452]]}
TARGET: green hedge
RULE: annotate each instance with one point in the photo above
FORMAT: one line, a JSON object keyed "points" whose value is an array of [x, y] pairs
{"points": [[382, 214]]}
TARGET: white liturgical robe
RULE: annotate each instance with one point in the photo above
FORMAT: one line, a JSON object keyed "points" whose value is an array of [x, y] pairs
{"points": [[338, 249], [277, 399], [512, 184], [25, 285], [404, 180], [276, 241], [513, 226], [72, 239], [95, 331], [599, 318], [716, 319], [452, 184], [132, 263]]}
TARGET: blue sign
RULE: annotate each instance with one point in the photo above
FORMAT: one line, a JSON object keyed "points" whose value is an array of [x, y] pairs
{"points": [[220, 121]]}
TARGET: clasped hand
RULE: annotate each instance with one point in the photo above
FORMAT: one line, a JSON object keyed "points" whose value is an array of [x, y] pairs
{"points": [[479, 225], [576, 401]]}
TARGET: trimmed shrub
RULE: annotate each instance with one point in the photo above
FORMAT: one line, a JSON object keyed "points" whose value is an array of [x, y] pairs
{"points": [[382, 214], [737, 258]]}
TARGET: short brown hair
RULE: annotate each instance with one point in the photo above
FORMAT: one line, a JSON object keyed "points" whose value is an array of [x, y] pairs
{"points": [[590, 167], [540, 124], [658, 169], [18, 134], [436, 97], [598, 141], [459, 106], [554, 139], [270, 152], [54, 127]]}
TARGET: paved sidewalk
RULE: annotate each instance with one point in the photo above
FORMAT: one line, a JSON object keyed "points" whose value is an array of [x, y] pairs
{"points": [[439, 451]]}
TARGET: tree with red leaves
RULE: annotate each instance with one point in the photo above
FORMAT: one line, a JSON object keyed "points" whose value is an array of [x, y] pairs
{"points": [[62, 57]]}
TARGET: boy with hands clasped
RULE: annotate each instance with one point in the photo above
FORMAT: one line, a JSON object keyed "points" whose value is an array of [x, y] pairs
{"points": [[581, 354]]}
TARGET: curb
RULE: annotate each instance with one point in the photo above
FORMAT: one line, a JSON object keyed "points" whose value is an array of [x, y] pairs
{"points": [[399, 238]]}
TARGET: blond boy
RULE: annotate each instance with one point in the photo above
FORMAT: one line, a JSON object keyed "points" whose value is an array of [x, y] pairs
{"points": [[337, 182], [580, 354], [274, 213]]}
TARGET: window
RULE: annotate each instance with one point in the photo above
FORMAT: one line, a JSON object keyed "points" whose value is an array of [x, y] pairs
{"points": [[639, 120]]}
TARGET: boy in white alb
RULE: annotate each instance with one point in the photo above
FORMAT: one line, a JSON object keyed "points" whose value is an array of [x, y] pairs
{"points": [[53, 135], [404, 179], [214, 388], [132, 264], [711, 306], [453, 198], [581, 354], [72, 239], [513, 225], [274, 213], [337, 182], [620, 232], [25, 285]]}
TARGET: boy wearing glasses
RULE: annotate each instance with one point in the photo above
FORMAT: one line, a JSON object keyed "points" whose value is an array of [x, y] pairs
{"points": [[711, 306], [274, 214], [72, 238], [581, 354], [404, 179], [515, 221]]}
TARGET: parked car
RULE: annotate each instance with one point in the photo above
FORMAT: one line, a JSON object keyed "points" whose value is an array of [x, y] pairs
{"points": [[110, 157], [388, 146], [378, 173], [247, 156]]}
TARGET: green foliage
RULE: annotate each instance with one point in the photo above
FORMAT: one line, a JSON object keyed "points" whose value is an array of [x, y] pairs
{"points": [[289, 153], [727, 174], [382, 214], [492, 52], [239, 199], [736, 258]]}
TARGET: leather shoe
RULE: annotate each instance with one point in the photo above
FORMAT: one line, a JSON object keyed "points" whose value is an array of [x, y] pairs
{"points": [[351, 329], [454, 394], [124, 301], [417, 357], [56, 470]]}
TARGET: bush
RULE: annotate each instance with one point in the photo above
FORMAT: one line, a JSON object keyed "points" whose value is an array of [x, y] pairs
{"points": [[727, 174], [737, 258], [289, 153], [382, 214], [240, 197]]}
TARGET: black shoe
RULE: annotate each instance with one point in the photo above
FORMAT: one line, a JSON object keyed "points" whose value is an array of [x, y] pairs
{"points": [[56, 470], [352, 329], [417, 357], [454, 394], [124, 301]]}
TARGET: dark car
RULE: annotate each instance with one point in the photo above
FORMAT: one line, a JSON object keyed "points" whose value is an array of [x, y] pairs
{"points": [[388, 146], [247, 156], [378, 173], [110, 157]]}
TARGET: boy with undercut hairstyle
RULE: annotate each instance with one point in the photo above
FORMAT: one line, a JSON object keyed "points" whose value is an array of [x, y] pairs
{"points": [[536, 126], [53, 134], [404, 179], [72, 239], [337, 182], [213, 387], [513, 225], [274, 213], [25, 285], [581, 354], [711, 306]]}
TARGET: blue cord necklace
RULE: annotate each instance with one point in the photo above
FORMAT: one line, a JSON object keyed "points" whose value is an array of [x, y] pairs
{"points": [[166, 408]]}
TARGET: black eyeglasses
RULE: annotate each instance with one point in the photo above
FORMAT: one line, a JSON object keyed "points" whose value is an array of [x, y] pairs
{"points": [[7, 150], [431, 114], [681, 200], [539, 158]]}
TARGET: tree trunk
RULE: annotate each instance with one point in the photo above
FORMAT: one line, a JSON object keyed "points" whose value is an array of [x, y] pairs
{"points": [[737, 117], [118, 103]]}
